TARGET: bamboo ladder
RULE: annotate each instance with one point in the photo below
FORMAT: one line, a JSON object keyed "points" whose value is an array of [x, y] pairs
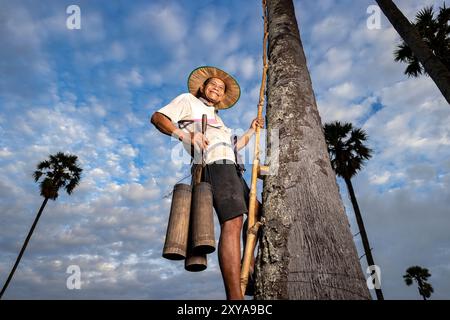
{"points": [[257, 170]]}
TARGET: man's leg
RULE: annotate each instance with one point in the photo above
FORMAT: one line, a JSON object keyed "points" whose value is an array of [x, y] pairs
{"points": [[230, 257]]}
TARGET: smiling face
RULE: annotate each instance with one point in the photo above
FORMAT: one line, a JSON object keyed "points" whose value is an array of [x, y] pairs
{"points": [[214, 90]]}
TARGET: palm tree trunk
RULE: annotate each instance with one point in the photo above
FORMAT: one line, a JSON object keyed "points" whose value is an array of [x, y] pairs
{"points": [[23, 247], [306, 249], [421, 289], [362, 231], [424, 297], [432, 65]]}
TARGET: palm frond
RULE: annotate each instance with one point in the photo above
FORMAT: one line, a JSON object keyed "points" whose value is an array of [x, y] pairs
{"points": [[403, 53], [443, 17], [43, 165], [37, 175], [408, 281], [414, 69], [425, 15]]}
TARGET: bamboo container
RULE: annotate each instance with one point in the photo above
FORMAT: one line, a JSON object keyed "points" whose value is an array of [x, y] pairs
{"points": [[203, 239], [195, 262], [176, 243]]}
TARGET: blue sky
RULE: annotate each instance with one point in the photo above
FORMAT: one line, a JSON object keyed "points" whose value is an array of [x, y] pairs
{"points": [[91, 91]]}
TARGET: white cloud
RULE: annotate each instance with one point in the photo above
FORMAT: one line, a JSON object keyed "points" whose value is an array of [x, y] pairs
{"points": [[346, 91], [129, 151], [331, 29], [210, 26], [131, 78], [243, 66], [167, 18], [332, 108], [138, 192], [336, 66], [134, 172], [92, 28], [380, 179], [248, 67], [4, 152], [103, 138], [98, 173], [117, 51]]}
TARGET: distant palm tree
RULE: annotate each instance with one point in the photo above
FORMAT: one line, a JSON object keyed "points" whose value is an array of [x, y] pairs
{"points": [[59, 171], [348, 154], [435, 32], [433, 66], [420, 275]]}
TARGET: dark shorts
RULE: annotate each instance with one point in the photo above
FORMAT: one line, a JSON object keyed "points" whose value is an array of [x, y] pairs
{"points": [[230, 191]]}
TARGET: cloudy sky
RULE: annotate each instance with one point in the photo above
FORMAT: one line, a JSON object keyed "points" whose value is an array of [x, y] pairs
{"points": [[91, 91]]}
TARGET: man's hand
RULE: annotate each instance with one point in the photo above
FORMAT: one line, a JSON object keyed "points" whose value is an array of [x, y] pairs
{"points": [[257, 122], [199, 140], [165, 125]]}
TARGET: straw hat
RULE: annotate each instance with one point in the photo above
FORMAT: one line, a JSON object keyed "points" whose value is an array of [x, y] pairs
{"points": [[198, 77]]}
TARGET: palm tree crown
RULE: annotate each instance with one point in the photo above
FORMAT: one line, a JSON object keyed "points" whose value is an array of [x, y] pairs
{"points": [[420, 275], [346, 148], [60, 170], [435, 32]]}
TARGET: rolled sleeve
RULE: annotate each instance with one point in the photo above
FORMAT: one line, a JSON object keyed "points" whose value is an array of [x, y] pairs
{"points": [[178, 109]]}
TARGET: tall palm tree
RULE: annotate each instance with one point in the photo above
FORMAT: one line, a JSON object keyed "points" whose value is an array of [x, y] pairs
{"points": [[58, 171], [348, 154], [430, 62], [435, 32], [420, 275], [306, 249]]}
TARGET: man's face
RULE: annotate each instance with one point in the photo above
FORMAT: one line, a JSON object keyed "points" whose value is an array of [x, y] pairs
{"points": [[214, 90]]}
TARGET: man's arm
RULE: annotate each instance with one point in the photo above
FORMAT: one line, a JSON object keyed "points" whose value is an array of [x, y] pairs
{"points": [[166, 126], [243, 141]]}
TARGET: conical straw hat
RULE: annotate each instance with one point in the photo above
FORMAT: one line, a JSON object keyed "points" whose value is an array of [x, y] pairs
{"points": [[198, 77]]}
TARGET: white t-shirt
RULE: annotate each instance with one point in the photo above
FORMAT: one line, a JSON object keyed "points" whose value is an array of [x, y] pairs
{"points": [[188, 107]]}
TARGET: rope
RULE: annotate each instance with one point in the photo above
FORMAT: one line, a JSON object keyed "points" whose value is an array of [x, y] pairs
{"points": [[318, 284], [167, 195]]}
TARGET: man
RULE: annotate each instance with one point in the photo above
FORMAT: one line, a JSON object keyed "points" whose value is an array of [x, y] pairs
{"points": [[210, 90]]}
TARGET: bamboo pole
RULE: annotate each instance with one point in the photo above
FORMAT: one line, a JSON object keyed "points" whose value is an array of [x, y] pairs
{"points": [[253, 227], [196, 170]]}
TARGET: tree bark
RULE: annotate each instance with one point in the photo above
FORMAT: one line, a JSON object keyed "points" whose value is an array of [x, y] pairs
{"points": [[306, 249], [362, 231], [5, 286], [432, 65]]}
